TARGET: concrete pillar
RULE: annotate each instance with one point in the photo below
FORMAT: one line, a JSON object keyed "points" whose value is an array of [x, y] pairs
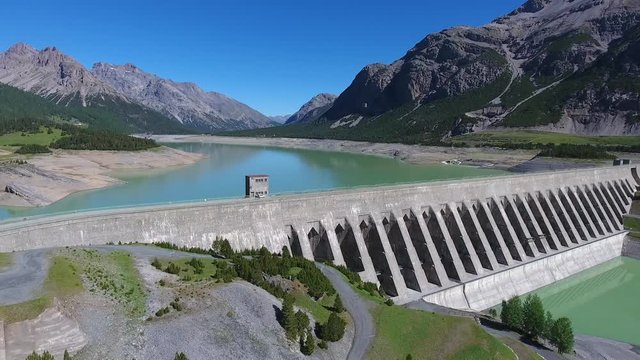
{"points": [[330, 228], [475, 260], [302, 230], [534, 221], [512, 232], [457, 262], [398, 279], [592, 210], [610, 200], [618, 200], [523, 226], [576, 215], [421, 277], [557, 220], [503, 245], [624, 196], [627, 188], [483, 238], [607, 210], [369, 271], [576, 199], [552, 232], [435, 256], [566, 215]]}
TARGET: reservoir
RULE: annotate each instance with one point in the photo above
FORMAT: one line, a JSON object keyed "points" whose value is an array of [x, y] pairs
{"points": [[602, 301], [221, 175]]}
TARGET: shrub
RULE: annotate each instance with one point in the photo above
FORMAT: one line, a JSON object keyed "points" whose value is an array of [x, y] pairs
{"points": [[180, 356], [33, 149], [163, 311], [176, 305], [389, 302], [156, 264], [172, 269]]}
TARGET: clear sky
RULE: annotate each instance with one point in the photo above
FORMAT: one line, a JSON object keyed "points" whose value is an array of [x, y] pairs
{"points": [[270, 54]]}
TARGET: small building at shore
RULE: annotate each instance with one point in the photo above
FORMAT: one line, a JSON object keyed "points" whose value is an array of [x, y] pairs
{"points": [[256, 186]]}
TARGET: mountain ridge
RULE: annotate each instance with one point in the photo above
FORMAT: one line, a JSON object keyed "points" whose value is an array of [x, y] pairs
{"points": [[62, 80]]}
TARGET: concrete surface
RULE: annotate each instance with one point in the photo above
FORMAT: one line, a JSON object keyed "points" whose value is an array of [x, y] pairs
{"points": [[24, 277], [280, 220]]}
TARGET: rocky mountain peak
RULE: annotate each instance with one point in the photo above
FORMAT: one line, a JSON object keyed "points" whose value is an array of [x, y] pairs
{"points": [[21, 49], [313, 109]]}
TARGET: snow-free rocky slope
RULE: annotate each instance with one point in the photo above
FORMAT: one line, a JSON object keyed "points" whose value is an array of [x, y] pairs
{"points": [[473, 78], [122, 97]]}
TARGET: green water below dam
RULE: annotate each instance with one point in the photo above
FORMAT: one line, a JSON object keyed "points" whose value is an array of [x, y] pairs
{"points": [[221, 175], [603, 301]]}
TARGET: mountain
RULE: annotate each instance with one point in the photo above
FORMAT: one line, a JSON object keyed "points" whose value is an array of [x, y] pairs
{"points": [[185, 102], [279, 119], [122, 98], [313, 109], [534, 68], [66, 83]]}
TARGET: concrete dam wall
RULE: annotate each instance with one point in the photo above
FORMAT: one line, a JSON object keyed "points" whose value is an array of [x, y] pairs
{"points": [[464, 244]]}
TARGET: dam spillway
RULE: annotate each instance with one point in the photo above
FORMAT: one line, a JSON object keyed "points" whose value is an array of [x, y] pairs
{"points": [[466, 244]]}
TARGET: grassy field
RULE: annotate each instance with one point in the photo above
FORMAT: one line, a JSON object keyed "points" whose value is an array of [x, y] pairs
{"points": [[424, 335], [188, 272], [62, 280], [319, 309], [5, 260], [634, 225], [41, 138], [498, 138]]}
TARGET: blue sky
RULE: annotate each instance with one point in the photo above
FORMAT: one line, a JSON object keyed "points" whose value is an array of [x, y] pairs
{"points": [[271, 54]]}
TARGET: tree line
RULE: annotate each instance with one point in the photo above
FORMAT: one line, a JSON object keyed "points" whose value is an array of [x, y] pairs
{"points": [[529, 317]]}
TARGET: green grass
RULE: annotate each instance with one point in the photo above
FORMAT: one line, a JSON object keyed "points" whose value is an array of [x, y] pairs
{"points": [[498, 138], [633, 224], [5, 260], [41, 138], [320, 310], [128, 289], [424, 335], [188, 273], [24, 311], [62, 280]]}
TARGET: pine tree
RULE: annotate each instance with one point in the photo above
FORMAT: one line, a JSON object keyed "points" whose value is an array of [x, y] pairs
{"points": [[548, 324], [302, 322], [289, 318], [66, 355], [562, 335], [333, 330], [337, 304], [180, 356], [533, 316], [514, 317], [309, 345]]}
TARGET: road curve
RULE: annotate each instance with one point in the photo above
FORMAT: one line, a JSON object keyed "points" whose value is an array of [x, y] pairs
{"points": [[358, 308]]}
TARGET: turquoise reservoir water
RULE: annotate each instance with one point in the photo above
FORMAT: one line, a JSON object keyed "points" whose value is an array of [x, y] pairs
{"points": [[603, 301], [221, 175]]}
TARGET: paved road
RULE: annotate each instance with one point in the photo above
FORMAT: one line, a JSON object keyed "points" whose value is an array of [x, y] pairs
{"points": [[358, 308], [24, 278]]}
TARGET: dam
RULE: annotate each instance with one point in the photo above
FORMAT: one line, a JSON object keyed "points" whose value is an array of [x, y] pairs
{"points": [[465, 244]]}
